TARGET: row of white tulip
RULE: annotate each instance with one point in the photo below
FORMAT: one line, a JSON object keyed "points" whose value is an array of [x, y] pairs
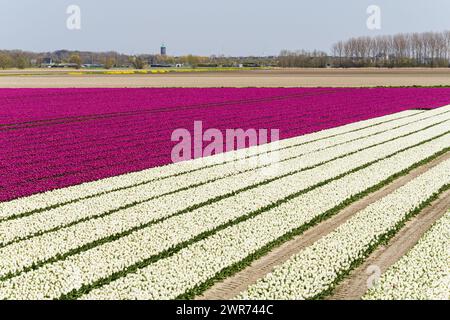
{"points": [[143, 199], [17, 206], [423, 273], [335, 135], [317, 267], [178, 273], [196, 264], [20, 255]]}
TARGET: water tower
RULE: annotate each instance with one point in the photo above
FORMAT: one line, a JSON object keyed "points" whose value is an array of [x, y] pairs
{"points": [[163, 50]]}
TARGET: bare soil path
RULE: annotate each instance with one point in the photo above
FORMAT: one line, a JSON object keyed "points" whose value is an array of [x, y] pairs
{"points": [[234, 285], [363, 77], [355, 285]]}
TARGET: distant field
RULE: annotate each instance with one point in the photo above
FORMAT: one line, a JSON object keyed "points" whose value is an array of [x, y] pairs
{"points": [[231, 78], [118, 71]]}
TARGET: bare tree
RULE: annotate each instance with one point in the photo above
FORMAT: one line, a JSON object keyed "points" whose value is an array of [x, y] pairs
{"points": [[401, 50], [76, 60], [5, 61]]}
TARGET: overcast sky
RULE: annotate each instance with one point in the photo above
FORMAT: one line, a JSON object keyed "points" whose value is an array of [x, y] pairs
{"points": [[230, 27]]}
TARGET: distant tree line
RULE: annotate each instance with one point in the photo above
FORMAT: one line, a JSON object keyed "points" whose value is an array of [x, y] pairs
{"points": [[429, 49], [14, 59], [303, 59], [25, 59], [76, 59]]}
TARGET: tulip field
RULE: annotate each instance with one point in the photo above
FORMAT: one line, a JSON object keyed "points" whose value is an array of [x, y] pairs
{"points": [[92, 207], [423, 272]]}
